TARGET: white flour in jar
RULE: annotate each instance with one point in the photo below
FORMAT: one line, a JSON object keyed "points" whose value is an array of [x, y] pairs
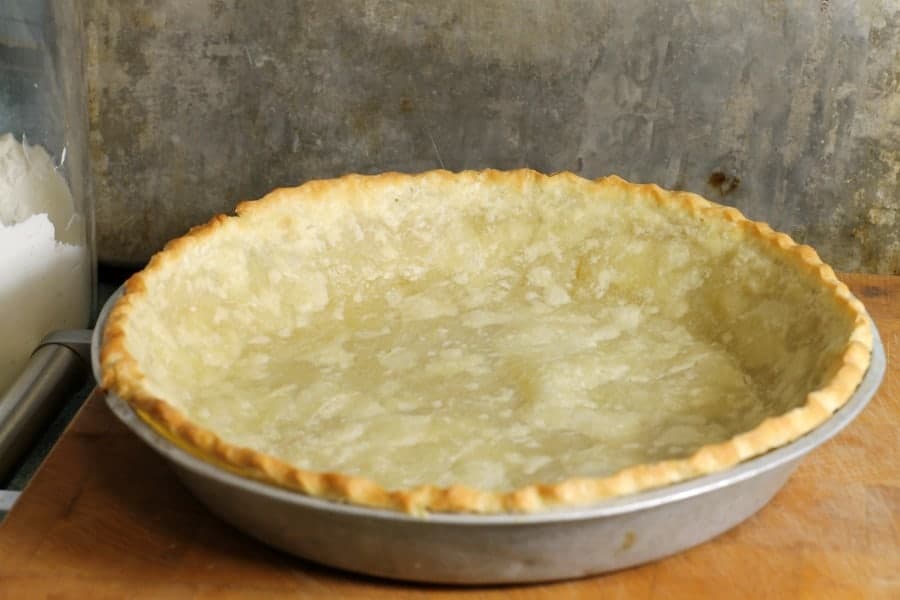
{"points": [[45, 274]]}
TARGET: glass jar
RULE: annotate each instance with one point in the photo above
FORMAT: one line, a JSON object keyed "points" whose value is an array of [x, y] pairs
{"points": [[47, 257]]}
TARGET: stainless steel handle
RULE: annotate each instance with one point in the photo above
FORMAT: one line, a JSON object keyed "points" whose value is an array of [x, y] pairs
{"points": [[59, 365]]}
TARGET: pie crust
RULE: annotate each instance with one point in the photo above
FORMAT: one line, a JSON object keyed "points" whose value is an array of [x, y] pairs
{"points": [[572, 313]]}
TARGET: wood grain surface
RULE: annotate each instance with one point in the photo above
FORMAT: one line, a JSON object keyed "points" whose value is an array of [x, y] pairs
{"points": [[104, 517]]}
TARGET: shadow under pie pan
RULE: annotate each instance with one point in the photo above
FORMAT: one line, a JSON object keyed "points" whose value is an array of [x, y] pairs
{"points": [[491, 549]]}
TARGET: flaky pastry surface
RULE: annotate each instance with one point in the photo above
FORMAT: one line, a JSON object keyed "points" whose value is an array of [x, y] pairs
{"points": [[483, 341]]}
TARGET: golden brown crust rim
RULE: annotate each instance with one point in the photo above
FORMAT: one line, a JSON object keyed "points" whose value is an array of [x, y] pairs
{"points": [[122, 375]]}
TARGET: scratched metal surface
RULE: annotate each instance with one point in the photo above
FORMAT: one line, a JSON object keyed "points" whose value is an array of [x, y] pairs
{"points": [[789, 111]]}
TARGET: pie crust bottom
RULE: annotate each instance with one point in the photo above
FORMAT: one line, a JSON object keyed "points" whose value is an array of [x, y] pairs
{"points": [[483, 341]]}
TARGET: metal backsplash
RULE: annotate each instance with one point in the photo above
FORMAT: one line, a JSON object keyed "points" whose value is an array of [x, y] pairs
{"points": [[788, 110]]}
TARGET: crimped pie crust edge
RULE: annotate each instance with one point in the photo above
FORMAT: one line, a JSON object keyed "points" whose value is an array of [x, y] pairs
{"points": [[122, 375]]}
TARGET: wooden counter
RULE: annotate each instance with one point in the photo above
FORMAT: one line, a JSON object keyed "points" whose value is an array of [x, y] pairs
{"points": [[105, 518]]}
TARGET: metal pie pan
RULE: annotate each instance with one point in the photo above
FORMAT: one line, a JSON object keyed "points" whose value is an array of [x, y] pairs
{"points": [[494, 549]]}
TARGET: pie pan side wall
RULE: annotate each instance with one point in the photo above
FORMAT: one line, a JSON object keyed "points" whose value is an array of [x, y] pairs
{"points": [[480, 549]]}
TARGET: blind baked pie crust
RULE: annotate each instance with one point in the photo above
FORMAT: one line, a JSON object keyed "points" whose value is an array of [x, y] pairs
{"points": [[483, 341]]}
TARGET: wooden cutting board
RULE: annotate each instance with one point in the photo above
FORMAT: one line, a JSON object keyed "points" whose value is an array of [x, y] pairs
{"points": [[105, 518]]}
